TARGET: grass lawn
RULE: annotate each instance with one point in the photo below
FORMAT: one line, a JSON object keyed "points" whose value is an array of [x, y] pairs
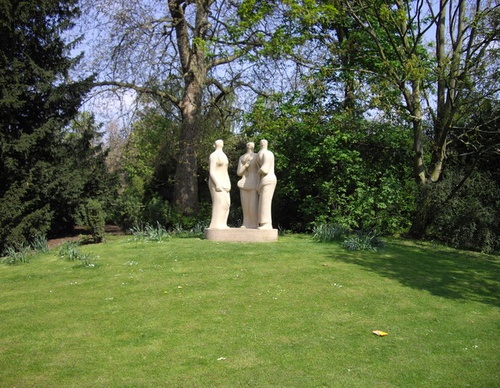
{"points": [[195, 313]]}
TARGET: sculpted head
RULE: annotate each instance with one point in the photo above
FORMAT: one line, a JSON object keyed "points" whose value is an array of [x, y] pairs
{"points": [[219, 143], [263, 143], [250, 146]]}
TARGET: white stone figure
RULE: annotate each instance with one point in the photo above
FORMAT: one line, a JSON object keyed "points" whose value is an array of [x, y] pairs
{"points": [[249, 184], [265, 162], [219, 186]]}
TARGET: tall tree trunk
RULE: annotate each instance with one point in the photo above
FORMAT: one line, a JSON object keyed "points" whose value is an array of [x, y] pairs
{"points": [[424, 212], [349, 103], [186, 182], [449, 72], [420, 220], [194, 69]]}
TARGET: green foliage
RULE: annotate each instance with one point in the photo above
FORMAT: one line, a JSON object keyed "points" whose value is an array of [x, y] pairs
{"points": [[92, 216], [362, 241], [150, 147], [251, 12], [38, 189], [40, 244], [197, 231], [128, 207], [20, 252], [330, 232], [199, 228], [335, 168], [470, 219], [70, 250], [158, 211], [147, 233], [17, 254], [21, 220], [156, 234]]}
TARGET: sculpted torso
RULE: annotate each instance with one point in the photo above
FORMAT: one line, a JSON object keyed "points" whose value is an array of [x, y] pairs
{"points": [[219, 185], [249, 184], [268, 180]]}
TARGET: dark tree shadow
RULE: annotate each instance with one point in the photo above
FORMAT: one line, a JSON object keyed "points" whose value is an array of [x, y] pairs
{"points": [[443, 272]]}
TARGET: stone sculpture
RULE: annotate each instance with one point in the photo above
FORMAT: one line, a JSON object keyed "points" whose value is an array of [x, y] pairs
{"points": [[257, 185], [267, 184], [249, 184], [219, 186]]}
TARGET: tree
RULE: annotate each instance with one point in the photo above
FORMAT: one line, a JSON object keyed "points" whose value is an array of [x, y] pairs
{"points": [[82, 164], [434, 83], [186, 55], [37, 100], [433, 86]]}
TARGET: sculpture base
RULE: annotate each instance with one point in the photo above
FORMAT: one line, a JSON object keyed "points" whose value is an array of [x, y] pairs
{"points": [[241, 235]]}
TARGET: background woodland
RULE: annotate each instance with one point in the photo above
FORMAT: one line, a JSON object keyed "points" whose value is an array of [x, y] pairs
{"points": [[383, 115]]}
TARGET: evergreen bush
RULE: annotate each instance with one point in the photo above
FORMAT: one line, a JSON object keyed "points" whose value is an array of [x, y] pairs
{"points": [[92, 216]]}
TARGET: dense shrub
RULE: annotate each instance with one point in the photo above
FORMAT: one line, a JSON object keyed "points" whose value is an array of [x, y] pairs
{"points": [[92, 216], [157, 211], [20, 221], [336, 169], [127, 209], [470, 219]]}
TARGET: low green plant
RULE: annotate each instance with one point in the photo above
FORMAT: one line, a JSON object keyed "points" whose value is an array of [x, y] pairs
{"points": [[329, 232], [196, 231], [178, 228], [86, 260], [17, 254], [363, 241], [40, 244], [137, 231], [199, 227], [70, 250], [147, 232], [282, 230], [21, 252], [156, 233]]}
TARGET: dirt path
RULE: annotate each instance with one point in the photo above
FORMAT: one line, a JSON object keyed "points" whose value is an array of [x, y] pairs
{"points": [[109, 229]]}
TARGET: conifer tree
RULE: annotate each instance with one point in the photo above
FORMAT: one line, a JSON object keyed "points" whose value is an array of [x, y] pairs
{"points": [[37, 101]]}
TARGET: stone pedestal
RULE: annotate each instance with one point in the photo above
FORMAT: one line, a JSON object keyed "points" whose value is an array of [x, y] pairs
{"points": [[241, 235]]}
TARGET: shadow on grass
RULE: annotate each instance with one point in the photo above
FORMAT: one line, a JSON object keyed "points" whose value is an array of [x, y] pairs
{"points": [[443, 272]]}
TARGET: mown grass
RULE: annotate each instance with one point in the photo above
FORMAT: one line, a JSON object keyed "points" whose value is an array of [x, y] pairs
{"points": [[296, 313]]}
